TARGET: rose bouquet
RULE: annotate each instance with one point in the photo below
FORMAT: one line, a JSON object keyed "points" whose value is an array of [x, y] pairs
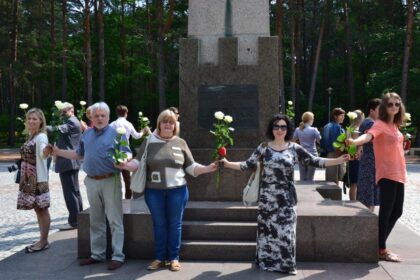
{"points": [[340, 142], [56, 120], [143, 123], [290, 110], [222, 133], [407, 130], [119, 156], [21, 120], [82, 111]]}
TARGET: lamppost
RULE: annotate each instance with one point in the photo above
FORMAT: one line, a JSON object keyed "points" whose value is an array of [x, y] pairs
{"points": [[329, 90]]}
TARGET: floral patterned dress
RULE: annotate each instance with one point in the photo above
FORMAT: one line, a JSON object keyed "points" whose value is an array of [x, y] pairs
{"points": [[276, 218], [31, 193], [367, 189]]}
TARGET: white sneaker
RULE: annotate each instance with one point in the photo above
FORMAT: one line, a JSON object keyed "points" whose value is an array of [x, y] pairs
{"points": [[292, 272], [66, 227]]}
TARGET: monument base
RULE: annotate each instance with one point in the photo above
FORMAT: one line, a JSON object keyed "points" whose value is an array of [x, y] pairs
{"points": [[326, 229]]}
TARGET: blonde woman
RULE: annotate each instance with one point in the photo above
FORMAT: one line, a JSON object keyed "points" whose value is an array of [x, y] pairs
{"points": [[33, 187], [166, 193], [308, 136]]}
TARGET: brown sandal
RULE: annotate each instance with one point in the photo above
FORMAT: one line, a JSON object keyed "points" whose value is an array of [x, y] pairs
{"points": [[156, 264], [175, 266], [389, 257]]}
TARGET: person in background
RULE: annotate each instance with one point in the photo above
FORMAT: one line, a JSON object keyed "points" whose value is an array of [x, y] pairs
{"points": [[277, 217], [88, 116], [121, 122], [103, 186], [329, 134], [70, 132], [391, 173], [354, 164], [367, 189], [176, 112], [33, 186], [166, 192], [308, 136]]}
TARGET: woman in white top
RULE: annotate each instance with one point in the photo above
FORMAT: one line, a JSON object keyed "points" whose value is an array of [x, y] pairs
{"points": [[33, 187]]}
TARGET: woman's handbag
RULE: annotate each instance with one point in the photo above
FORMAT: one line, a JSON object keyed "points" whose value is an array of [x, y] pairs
{"points": [[251, 191], [138, 179]]}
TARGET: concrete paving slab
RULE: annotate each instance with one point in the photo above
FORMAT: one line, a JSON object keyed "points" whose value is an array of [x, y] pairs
{"points": [[60, 262]]}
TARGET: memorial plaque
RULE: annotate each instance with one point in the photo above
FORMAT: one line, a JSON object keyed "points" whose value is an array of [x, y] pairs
{"points": [[239, 101]]}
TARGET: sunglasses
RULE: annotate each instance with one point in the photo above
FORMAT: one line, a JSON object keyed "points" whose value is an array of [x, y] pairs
{"points": [[397, 104], [280, 127]]}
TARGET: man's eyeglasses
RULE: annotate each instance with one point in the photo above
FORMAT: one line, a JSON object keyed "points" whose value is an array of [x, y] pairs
{"points": [[397, 104], [280, 127]]}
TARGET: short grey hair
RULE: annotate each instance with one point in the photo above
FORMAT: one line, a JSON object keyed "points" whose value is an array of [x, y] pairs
{"points": [[100, 106], [67, 106]]}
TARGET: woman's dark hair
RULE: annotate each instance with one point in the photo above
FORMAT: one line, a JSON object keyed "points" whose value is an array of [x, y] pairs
{"points": [[121, 110], [383, 113], [269, 133], [336, 112], [372, 104]]}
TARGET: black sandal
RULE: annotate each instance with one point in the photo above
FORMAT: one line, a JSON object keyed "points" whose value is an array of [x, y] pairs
{"points": [[31, 249]]}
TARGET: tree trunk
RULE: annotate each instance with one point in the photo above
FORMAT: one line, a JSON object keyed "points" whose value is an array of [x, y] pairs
{"points": [[12, 79], [317, 55], [349, 55], [64, 95], [88, 52], [299, 53], [52, 34], [293, 51], [163, 28], [279, 32], [123, 50], [407, 49], [101, 51]]}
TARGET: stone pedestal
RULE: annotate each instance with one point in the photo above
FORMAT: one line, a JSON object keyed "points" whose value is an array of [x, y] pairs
{"points": [[246, 92]]}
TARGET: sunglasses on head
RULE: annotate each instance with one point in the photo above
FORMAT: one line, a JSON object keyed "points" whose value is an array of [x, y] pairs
{"points": [[280, 127], [397, 104]]}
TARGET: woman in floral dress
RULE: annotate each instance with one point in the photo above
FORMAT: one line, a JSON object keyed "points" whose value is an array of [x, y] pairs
{"points": [[276, 233], [33, 186]]}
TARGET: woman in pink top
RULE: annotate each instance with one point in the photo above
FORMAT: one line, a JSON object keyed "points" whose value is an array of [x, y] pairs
{"points": [[391, 174]]}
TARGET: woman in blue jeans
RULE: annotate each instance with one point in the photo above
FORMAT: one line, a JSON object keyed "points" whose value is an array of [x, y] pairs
{"points": [[166, 193]]}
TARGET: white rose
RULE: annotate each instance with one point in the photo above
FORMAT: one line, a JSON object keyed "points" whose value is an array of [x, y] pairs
{"points": [[83, 103], [145, 119], [228, 119], [23, 106], [60, 105], [351, 115], [57, 102], [290, 102], [231, 129], [140, 114], [121, 130], [219, 115], [407, 117]]}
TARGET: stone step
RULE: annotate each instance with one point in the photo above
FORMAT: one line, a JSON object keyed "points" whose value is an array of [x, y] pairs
{"points": [[217, 250], [219, 211], [211, 230]]}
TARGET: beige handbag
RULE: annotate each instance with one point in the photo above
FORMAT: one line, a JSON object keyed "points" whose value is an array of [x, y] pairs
{"points": [[138, 179], [251, 191]]}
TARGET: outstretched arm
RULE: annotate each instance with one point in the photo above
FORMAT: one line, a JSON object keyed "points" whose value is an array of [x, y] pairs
{"points": [[236, 165], [201, 169], [363, 139]]}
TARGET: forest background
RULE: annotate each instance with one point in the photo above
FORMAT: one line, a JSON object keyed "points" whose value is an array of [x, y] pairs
{"points": [[126, 52]]}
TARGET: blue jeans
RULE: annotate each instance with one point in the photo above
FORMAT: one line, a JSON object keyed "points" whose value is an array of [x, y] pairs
{"points": [[167, 208]]}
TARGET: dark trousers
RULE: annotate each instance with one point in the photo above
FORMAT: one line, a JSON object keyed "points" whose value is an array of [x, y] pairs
{"points": [[71, 191], [127, 182], [391, 207]]}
